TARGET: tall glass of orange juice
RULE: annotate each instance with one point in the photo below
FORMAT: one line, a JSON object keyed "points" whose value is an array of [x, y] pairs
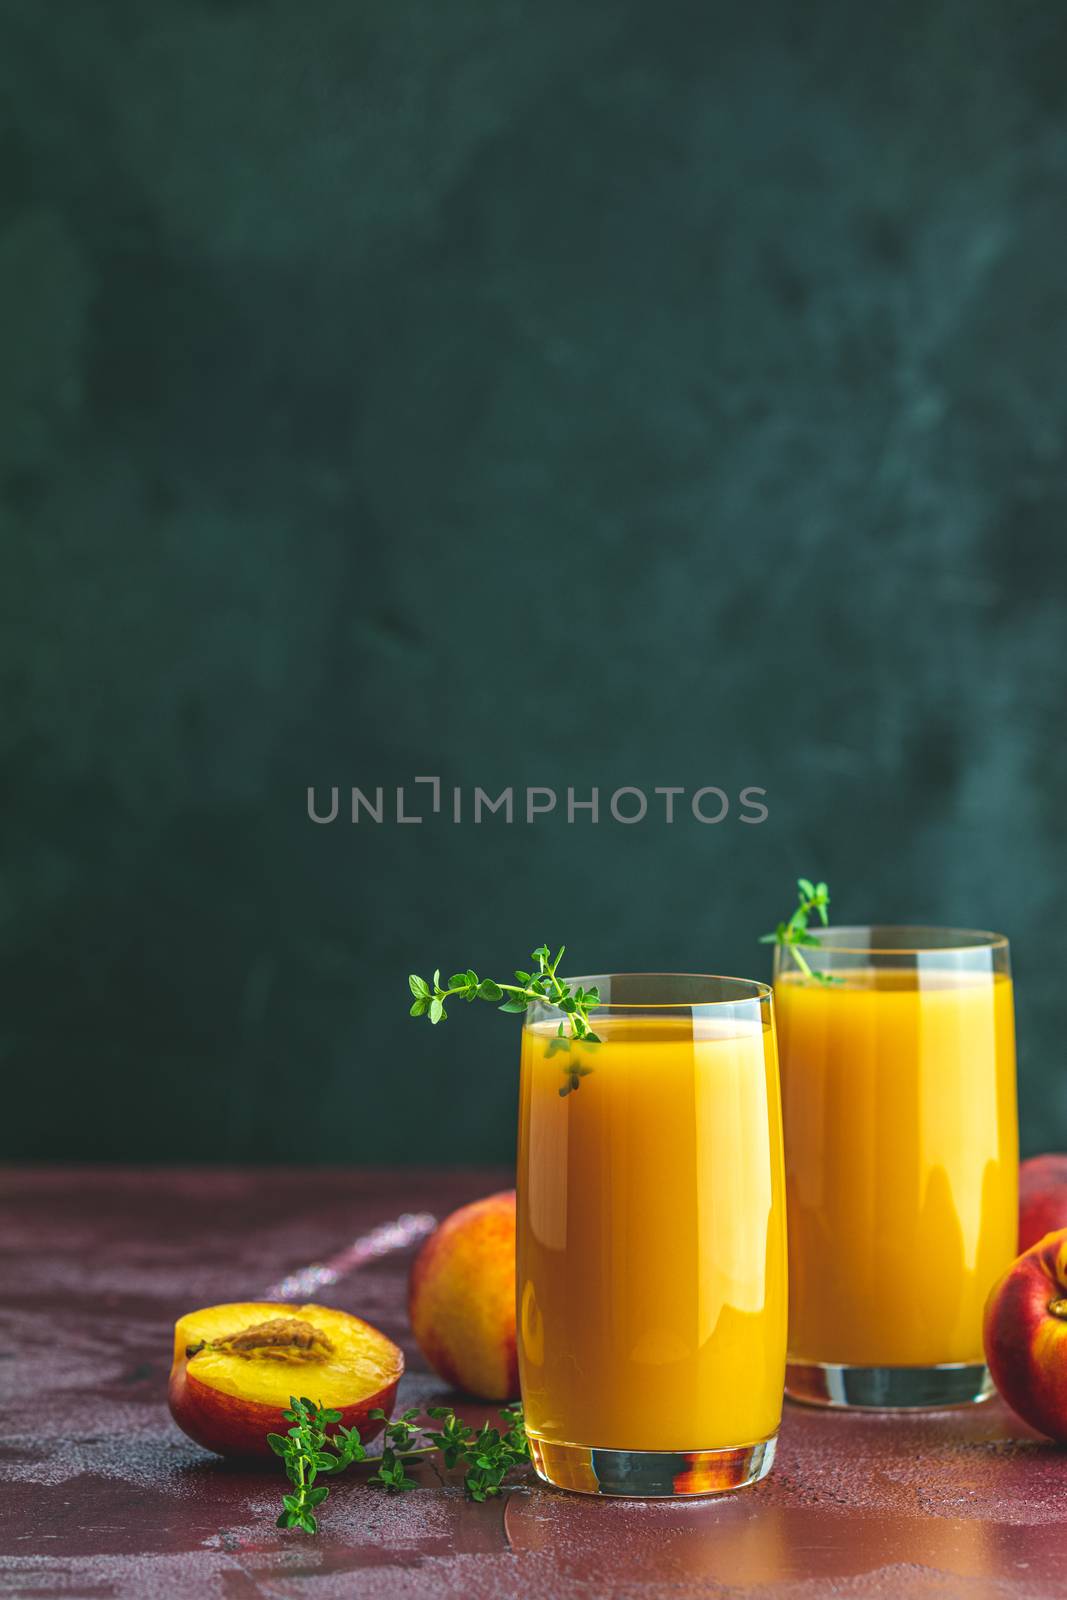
{"points": [[898, 1091], [652, 1292]]}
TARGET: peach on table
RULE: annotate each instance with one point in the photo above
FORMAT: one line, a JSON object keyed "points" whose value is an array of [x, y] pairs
{"points": [[1042, 1198], [461, 1298], [1026, 1335], [236, 1366]]}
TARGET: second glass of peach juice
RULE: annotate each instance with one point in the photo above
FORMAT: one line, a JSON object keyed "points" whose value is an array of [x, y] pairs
{"points": [[898, 1086], [651, 1239]]}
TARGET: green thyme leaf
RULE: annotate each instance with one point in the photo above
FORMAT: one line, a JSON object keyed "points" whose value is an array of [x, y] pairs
{"points": [[486, 1456], [543, 984], [307, 1450], [792, 935]]}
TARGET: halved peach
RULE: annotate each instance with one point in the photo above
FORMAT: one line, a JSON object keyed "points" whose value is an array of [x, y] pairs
{"points": [[236, 1367]]}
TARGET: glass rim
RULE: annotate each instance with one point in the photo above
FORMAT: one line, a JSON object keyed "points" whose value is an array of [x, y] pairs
{"points": [[905, 939], [748, 990]]}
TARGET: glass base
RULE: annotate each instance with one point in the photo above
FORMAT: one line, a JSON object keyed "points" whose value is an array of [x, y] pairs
{"points": [[824, 1383], [651, 1474]]}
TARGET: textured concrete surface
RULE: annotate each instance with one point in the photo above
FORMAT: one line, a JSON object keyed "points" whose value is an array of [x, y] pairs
{"points": [[528, 393], [103, 1498]]}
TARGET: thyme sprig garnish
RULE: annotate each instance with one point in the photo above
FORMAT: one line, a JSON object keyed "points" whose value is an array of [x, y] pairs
{"points": [[543, 984], [307, 1451], [811, 897]]}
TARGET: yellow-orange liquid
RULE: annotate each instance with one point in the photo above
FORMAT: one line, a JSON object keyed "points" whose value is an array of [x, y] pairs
{"points": [[651, 1237], [898, 1093]]}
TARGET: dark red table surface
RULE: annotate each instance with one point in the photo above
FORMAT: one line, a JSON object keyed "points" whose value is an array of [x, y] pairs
{"points": [[103, 1497]]}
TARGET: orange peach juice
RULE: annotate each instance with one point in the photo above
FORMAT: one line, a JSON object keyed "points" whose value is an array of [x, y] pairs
{"points": [[651, 1235], [898, 1092]]}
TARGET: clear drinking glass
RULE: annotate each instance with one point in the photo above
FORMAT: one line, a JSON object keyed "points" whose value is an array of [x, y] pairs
{"points": [[651, 1239], [898, 1092]]}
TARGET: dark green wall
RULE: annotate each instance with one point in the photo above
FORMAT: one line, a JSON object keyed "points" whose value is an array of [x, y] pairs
{"points": [[527, 393]]}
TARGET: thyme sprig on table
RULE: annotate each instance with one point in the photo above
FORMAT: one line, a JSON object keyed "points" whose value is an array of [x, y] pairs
{"points": [[488, 1455], [307, 1451], [811, 897], [398, 1453], [542, 984]]}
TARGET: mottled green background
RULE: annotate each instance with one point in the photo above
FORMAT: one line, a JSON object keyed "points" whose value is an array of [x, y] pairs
{"points": [[526, 393]]}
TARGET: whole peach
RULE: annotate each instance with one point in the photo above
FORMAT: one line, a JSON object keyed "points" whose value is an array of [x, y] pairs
{"points": [[461, 1298], [1042, 1198], [1025, 1335]]}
